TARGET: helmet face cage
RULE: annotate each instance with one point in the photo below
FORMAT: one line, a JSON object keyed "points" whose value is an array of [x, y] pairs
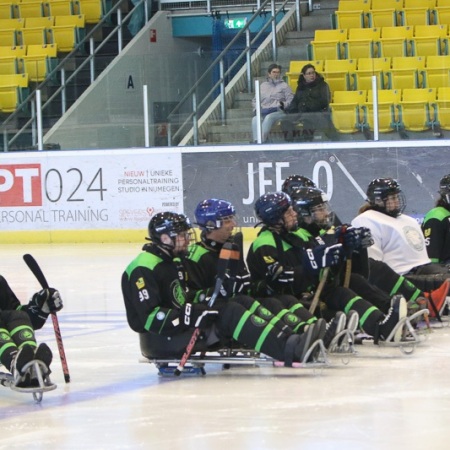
{"points": [[378, 194], [171, 224], [294, 182], [212, 213], [270, 208], [312, 205], [444, 188]]}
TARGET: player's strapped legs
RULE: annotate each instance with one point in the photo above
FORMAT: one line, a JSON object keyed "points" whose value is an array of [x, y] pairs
{"points": [[382, 276], [371, 292], [343, 299], [294, 306], [19, 327], [7, 346]]}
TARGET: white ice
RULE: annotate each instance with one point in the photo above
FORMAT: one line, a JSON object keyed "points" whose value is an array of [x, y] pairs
{"points": [[382, 399]]}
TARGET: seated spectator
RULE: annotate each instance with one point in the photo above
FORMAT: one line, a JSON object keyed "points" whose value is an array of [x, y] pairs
{"points": [[310, 106], [275, 96]]}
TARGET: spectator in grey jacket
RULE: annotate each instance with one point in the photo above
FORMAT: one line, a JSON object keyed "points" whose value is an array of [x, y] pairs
{"points": [[275, 95]]}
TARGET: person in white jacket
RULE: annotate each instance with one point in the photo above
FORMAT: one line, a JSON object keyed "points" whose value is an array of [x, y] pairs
{"points": [[275, 96], [398, 238]]}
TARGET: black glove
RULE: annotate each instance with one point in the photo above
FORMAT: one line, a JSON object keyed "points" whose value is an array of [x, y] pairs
{"points": [[235, 285], [278, 276], [322, 256], [48, 301], [193, 316], [354, 238]]}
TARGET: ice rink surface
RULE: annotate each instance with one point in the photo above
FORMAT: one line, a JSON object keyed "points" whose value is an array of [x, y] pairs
{"points": [[382, 399]]}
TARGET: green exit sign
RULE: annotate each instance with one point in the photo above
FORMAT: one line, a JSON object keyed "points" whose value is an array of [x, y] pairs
{"points": [[234, 24]]}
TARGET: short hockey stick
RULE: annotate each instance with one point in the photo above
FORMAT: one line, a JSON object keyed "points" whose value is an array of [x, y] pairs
{"points": [[319, 289], [37, 272], [226, 253]]}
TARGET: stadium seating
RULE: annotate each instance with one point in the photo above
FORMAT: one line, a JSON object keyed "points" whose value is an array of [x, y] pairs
{"points": [[30, 9], [11, 65], [349, 19], [345, 110], [406, 72], [336, 73], [415, 16], [93, 10], [430, 40], [443, 107], [68, 31], [396, 41], [327, 44], [40, 60], [438, 71], [388, 102], [361, 79], [60, 7], [13, 90], [362, 43], [417, 109]]}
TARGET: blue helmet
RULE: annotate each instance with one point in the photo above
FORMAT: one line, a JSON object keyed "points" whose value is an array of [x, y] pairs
{"points": [[270, 207], [210, 213], [169, 223]]}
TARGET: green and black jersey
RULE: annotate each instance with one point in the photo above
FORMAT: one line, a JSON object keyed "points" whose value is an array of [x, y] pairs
{"points": [[436, 229]]}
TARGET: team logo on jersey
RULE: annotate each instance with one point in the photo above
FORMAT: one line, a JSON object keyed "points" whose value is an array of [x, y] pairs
{"points": [[268, 260], [179, 297], [160, 315], [140, 283], [414, 238]]}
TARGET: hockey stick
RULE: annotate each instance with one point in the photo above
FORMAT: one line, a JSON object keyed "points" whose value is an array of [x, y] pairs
{"points": [[226, 253], [319, 289], [37, 272]]}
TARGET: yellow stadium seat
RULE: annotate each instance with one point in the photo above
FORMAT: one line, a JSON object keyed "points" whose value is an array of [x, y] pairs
{"points": [[336, 73], [362, 43], [59, 7], [68, 31], [388, 101], [11, 65], [345, 110], [444, 3], [9, 37], [13, 90], [430, 40], [430, 4], [40, 61], [406, 72], [442, 15], [438, 71], [30, 9], [349, 19], [17, 51], [382, 18], [386, 4], [7, 10], [36, 22], [443, 107], [361, 79], [417, 109], [396, 41], [327, 44], [353, 5], [416, 16], [93, 10], [295, 67], [38, 35], [11, 24]]}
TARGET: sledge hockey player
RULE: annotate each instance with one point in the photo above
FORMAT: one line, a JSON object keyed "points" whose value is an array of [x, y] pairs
{"points": [[278, 248], [436, 226], [216, 219], [18, 344], [160, 307], [374, 280], [398, 239]]}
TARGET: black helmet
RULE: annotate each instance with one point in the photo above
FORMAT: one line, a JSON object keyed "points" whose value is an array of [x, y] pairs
{"points": [[293, 182], [312, 204], [444, 189], [378, 192], [169, 223], [270, 207]]}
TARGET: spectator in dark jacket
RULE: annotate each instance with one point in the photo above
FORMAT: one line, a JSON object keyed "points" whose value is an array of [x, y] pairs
{"points": [[310, 106]]}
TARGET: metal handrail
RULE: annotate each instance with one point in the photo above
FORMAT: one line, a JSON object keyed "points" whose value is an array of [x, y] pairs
{"points": [[89, 59], [218, 62]]}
